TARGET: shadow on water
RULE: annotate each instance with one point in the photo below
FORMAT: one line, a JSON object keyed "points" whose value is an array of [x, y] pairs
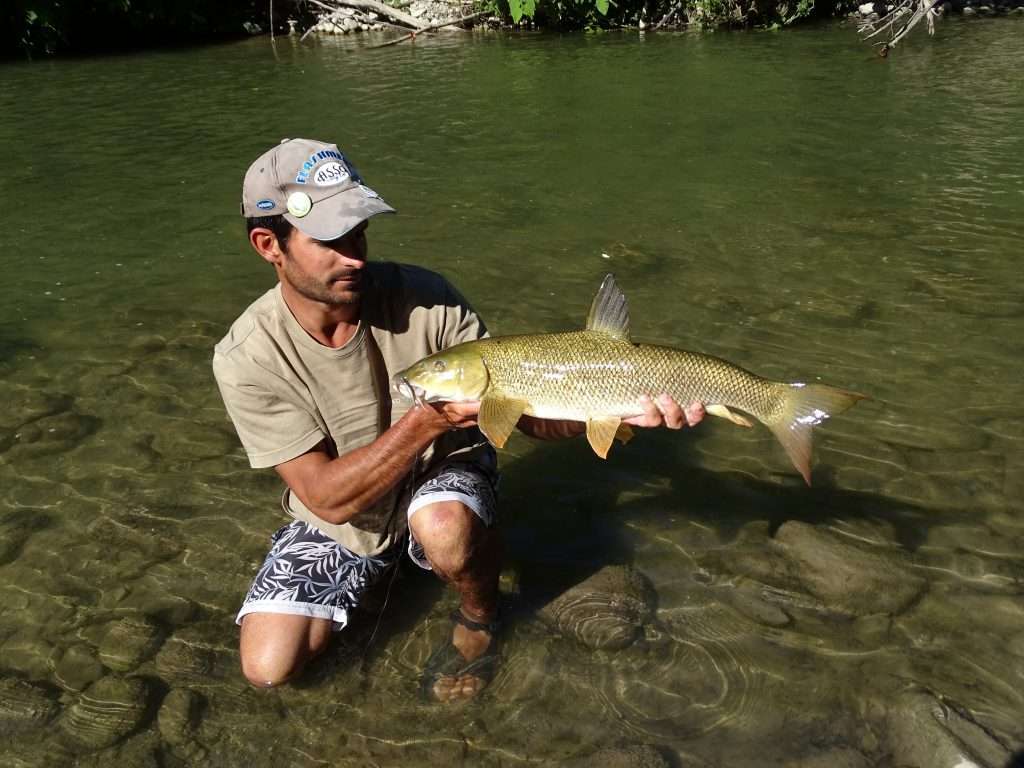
{"points": [[566, 514], [563, 506]]}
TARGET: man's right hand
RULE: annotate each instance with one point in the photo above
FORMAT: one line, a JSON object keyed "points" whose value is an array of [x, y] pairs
{"points": [[445, 416]]}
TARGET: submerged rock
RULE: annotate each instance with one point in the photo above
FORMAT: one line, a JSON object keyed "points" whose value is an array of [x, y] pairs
{"points": [[25, 706], [848, 577], [833, 758], [129, 642], [78, 668], [605, 610], [186, 658], [927, 731], [178, 720], [633, 756], [108, 710]]}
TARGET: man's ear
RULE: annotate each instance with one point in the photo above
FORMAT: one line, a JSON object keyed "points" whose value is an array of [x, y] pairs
{"points": [[266, 245]]}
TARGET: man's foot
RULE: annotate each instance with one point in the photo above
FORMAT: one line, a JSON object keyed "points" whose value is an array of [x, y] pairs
{"points": [[461, 669]]}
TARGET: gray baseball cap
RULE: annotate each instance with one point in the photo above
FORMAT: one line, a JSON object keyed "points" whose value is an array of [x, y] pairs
{"points": [[313, 185]]}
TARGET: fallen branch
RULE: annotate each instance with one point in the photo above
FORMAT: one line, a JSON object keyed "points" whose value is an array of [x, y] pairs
{"points": [[428, 28], [376, 7], [915, 9]]}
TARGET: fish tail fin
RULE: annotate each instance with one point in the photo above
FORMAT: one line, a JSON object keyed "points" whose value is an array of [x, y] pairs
{"points": [[804, 406]]}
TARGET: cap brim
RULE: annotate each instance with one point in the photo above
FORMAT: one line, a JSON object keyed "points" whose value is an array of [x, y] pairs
{"points": [[332, 218]]}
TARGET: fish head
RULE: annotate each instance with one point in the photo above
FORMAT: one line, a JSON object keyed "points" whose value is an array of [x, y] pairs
{"points": [[457, 374]]}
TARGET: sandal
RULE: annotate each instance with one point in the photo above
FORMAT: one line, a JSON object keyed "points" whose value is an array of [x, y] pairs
{"points": [[447, 661]]}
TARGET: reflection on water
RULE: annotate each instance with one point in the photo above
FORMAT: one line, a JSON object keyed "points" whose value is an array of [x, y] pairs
{"points": [[784, 201]]}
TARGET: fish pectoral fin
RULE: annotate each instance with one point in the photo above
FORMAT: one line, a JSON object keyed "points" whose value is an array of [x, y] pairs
{"points": [[601, 432], [498, 417], [624, 433], [723, 412]]}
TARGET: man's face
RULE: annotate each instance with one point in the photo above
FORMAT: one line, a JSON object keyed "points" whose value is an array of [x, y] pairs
{"points": [[327, 272]]}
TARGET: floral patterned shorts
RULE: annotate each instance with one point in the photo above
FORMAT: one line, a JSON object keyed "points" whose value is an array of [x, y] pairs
{"points": [[307, 573]]}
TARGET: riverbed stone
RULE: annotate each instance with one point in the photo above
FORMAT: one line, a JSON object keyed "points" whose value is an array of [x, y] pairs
{"points": [[78, 668], [25, 404], [850, 578], [178, 721], [833, 758], [53, 434], [106, 712], [631, 756], [129, 642], [925, 730], [605, 610], [25, 706]]}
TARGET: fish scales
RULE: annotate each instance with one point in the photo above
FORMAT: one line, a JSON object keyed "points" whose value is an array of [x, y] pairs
{"points": [[582, 374]]}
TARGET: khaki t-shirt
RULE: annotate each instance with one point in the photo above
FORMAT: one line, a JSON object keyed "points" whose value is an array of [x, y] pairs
{"points": [[286, 392]]}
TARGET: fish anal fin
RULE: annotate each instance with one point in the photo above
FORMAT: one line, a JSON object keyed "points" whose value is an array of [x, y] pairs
{"points": [[717, 409], [601, 433], [624, 433], [498, 417], [609, 311]]}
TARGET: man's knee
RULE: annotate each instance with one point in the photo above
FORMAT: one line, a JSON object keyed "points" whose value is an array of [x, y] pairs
{"points": [[448, 532], [275, 647]]}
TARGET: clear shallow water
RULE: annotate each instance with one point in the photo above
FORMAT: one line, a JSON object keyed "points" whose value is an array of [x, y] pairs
{"points": [[785, 201]]}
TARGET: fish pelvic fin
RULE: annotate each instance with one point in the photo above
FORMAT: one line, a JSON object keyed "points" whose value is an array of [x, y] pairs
{"points": [[601, 433], [609, 311], [499, 416], [624, 433], [803, 407]]}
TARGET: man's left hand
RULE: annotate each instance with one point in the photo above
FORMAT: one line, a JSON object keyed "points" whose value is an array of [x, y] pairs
{"points": [[663, 411]]}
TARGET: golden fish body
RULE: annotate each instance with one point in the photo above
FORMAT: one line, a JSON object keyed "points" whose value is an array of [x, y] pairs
{"points": [[598, 376], [583, 375]]}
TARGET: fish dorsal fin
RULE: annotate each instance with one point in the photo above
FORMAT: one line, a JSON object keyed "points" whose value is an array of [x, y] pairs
{"points": [[609, 312]]}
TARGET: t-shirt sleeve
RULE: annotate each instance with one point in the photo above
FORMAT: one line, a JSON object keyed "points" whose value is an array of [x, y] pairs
{"points": [[269, 415], [461, 323]]}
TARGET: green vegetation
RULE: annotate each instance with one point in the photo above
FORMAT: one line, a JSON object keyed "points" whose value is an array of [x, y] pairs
{"points": [[573, 14], [42, 27]]}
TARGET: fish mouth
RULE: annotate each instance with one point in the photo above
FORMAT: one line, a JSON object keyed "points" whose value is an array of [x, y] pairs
{"points": [[405, 388]]}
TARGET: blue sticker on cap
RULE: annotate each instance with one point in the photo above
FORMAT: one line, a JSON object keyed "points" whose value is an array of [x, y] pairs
{"points": [[265, 205]]}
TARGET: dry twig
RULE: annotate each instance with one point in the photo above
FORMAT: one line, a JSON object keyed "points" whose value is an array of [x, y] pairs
{"points": [[428, 28]]}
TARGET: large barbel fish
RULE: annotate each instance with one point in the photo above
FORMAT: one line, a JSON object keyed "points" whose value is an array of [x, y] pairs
{"points": [[597, 376]]}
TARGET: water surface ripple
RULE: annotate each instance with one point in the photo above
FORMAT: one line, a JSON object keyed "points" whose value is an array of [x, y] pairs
{"points": [[786, 201]]}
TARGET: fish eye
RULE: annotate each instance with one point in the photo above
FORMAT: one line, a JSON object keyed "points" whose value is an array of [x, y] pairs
{"points": [[439, 365]]}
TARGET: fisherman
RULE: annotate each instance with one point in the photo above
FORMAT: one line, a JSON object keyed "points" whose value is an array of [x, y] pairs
{"points": [[304, 375]]}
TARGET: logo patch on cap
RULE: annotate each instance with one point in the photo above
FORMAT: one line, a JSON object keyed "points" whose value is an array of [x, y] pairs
{"points": [[265, 205], [299, 204], [330, 173]]}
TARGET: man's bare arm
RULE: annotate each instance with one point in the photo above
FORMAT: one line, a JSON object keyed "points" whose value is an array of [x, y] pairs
{"points": [[661, 411], [335, 489]]}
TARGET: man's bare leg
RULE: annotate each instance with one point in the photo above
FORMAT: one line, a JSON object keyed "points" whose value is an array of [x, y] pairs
{"points": [[466, 554], [274, 647]]}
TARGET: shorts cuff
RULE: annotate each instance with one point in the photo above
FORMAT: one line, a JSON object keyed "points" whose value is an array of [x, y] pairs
{"points": [[426, 499], [338, 616]]}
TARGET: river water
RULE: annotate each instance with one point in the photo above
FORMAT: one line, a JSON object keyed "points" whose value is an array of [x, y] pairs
{"points": [[787, 201]]}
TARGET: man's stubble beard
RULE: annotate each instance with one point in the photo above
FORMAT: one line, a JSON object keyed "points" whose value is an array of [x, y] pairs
{"points": [[315, 290]]}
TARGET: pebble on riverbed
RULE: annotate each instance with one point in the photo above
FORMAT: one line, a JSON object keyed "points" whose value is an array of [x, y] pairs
{"points": [[25, 706], [849, 577], [605, 610], [925, 730], [106, 712], [129, 642]]}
